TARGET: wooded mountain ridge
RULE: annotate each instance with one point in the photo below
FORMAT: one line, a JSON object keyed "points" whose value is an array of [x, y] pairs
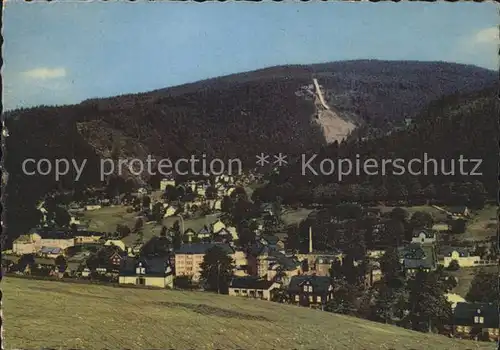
{"points": [[237, 116]]}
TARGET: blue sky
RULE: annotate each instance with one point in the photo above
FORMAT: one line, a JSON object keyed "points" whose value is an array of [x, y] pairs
{"points": [[61, 53]]}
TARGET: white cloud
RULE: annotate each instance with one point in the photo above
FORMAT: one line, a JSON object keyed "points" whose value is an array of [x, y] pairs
{"points": [[45, 73], [41, 85], [479, 48], [487, 36]]}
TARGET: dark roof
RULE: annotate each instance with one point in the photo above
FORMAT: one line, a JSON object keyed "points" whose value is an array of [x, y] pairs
{"points": [[332, 252], [464, 314], [458, 209], [155, 266], [222, 239], [51, 250], [402, 251], [250, 282], [86, 233], [190, 230], [204, 230], [320, 284], [271, 239], [286, 262], [256, 248], [325, 260], [416, 256], [223, 232], [202, 248], [462, 251], [56, 234]]}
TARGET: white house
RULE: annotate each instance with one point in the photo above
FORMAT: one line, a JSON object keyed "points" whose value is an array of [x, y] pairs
{"points": [[116, 242], [201, 191], [44, 213], [75, 221], [155, 272], [453, 299], [461, 255], [204, 233], [229, 190], [166, 182], [217, 205], [217, 226], [375, 254], [232, 231], [424, 237], [170, 211], [252, 287], [34, 241], [92, 207]]}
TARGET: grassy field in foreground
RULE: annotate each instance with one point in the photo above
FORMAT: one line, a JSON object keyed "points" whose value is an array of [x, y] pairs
{"points": [[63, 315]]}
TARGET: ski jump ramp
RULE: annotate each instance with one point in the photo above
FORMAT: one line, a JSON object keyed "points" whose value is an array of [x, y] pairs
{"points": [[320, 94]]}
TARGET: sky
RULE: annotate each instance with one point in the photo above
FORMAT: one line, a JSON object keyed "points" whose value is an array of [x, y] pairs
{"points": [[65, 52]]}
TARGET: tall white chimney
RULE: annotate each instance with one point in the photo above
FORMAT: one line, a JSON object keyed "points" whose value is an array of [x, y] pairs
{"points": [[310, 240]]}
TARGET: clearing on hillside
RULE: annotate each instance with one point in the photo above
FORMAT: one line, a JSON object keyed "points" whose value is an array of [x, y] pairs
{"points": [[66, 315], [483, 224]]}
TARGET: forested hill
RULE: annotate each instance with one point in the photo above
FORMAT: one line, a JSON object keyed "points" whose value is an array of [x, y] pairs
{"points": [[461, 124], [374, 90], [235, 116]]}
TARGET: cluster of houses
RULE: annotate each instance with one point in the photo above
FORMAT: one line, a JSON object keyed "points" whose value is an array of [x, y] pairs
{"points": [[425, 253], [261, 270], [262, 265], [194, 196], [195, 193]]}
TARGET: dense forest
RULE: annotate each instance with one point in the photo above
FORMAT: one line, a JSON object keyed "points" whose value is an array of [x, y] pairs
{"points": [[244, 114], [457, 125]]}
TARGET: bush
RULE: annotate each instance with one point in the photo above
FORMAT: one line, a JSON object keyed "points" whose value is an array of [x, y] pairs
{"points": [[183, 282], [450, 283], [453, 266]]}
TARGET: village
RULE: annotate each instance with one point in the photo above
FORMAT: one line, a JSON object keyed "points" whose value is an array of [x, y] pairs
{"points": [[209, 235]]}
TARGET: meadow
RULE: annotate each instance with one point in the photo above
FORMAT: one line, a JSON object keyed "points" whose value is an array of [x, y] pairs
{"points": [[65, 315]]}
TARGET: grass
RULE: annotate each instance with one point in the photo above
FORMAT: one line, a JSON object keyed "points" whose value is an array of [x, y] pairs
{"points": [[483, 224], [295, 216], [438, 215], [106, 219], [64, 315], [465, 277]]}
